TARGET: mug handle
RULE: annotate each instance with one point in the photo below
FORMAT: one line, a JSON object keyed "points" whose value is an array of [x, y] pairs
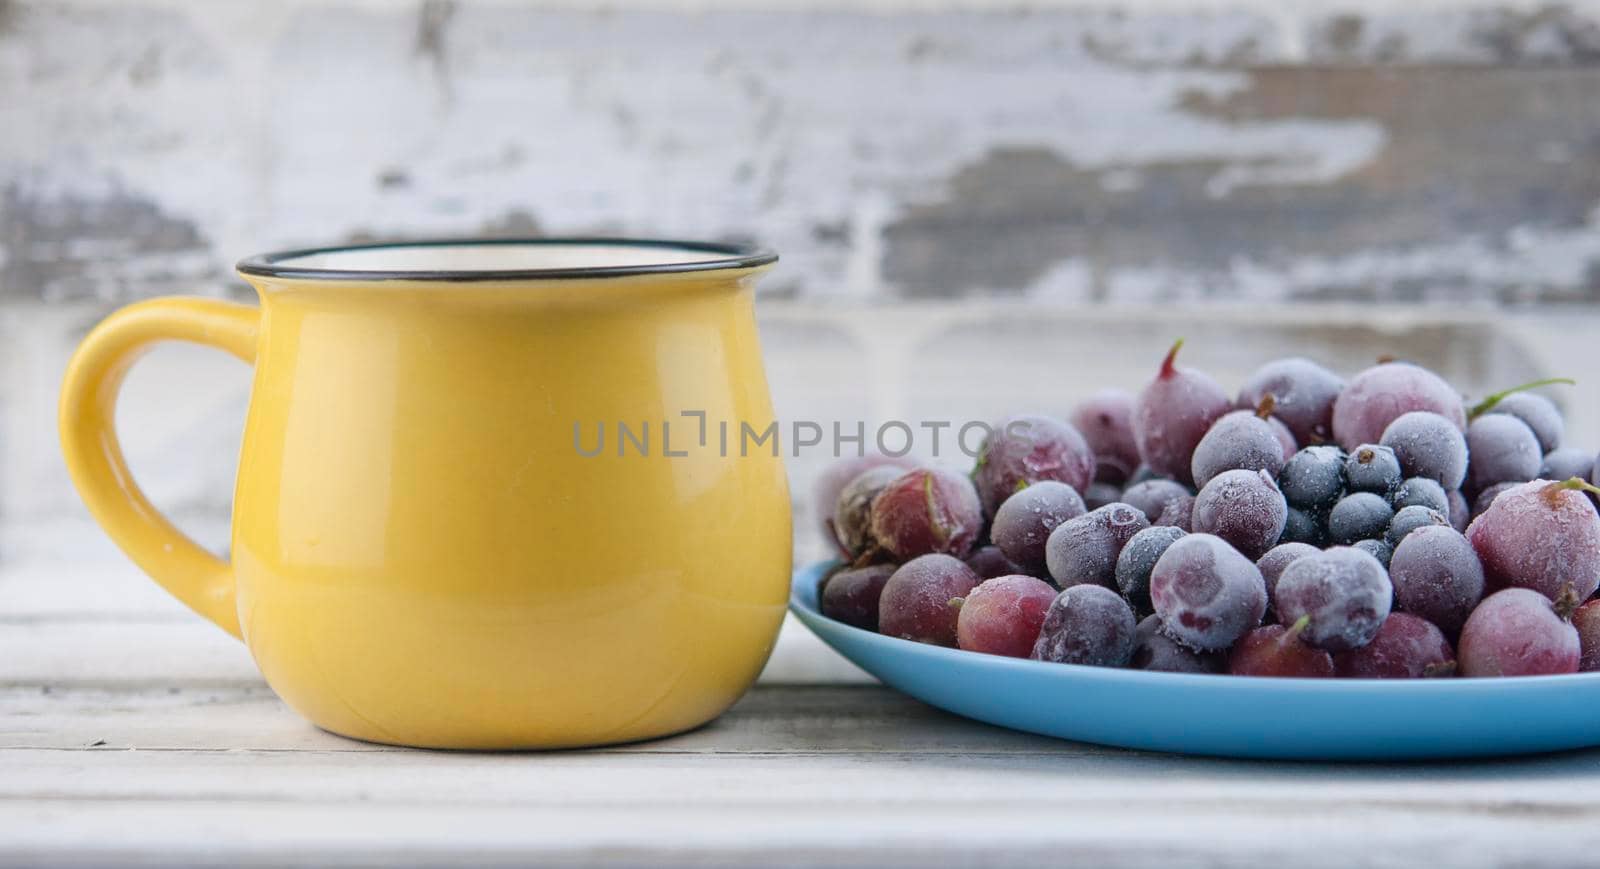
{"points": [[94, 457]]}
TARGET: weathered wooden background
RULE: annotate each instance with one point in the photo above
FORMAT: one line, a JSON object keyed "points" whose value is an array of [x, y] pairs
{"points": [[1058, 155]]}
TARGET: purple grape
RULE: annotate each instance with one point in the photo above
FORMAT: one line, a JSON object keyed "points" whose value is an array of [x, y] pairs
{"points": [[1136, 561], [1409, 519], [989, 562], [1300, 526], [1379, 549], [1002, 616], [851, 595], [1428, 445], [922, 599], [1206, 593], [1503, 450], [1303, 393], [1152, 496], [1538, 413], [1173, 413], [852, 514], [1313, 478], [1372, 468], [1087, 624], [1106, 421], [1361, 516], [1154, 650], [1100, 494], [1487, 496], [825, 491], [1084, 549], [1244, 508], [926, 511], [1421, 492], [1566, 463], [1240, 440], [1381, 394], [1436, 576], [1024, 522], [1587, 621], [1542, 536], [1460, 511], [1178, 513], [1277, 558], [1275, 650], [1406, 647], [1345, 592], [1519, 632], [1030, 449]]}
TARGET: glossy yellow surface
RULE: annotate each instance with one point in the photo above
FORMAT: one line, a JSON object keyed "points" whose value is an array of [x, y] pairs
{"points": [[421, 555]]}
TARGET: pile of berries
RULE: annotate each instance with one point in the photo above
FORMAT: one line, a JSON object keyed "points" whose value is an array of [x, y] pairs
{"points": [[1309, 526]]}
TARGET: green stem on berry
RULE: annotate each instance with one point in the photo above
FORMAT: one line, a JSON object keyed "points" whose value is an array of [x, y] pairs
{"points": [[1168, 366], [1267, 405], [1552, 492], [1489, 402], [957, 603], [1300, 624]]}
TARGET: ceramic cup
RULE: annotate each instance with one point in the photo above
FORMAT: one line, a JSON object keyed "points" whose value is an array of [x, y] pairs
{"points": [[439, 538]]}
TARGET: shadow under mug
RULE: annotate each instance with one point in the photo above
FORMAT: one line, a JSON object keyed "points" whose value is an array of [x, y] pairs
{"points": [[482, 499]]}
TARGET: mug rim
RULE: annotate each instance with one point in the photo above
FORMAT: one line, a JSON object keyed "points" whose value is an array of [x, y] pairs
{"points": [[727, 256]]}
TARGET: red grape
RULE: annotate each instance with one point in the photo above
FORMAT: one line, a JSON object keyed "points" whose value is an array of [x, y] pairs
{"points": [[922, 599], [1540, 414], [1406, 647], [1154, 650], [1587, 620], [851, 595], [1277, 558], [825, 491], [1503, 450], [1240, 440], [1206, 593], [1303, 394], [1428, 445], [1381, 394], [1244, 508], [925, 511], [1436, 575], [1518, 632], [1106, 421], [989, 562], [1026, 450], [1136, 561], [1151, 497], [1173, 413], [1002, 615], [1346, 592], [1178, 513], [1084, 549], [1540, 535], [1024, 522], [1087, 624], [1275, 650], [852, 513]]}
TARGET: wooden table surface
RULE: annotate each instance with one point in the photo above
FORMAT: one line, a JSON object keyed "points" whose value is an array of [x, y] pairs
{"points": [[130, 731]]}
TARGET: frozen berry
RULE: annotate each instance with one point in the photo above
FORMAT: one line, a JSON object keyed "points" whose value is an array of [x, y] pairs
{"points": [[852, 514], [1154, 650], [1002, 615], [1151, 497], [1487, 496], [1428, 445], [1503, 449], [1361, 516], [1313, 478], [1024, 522], [1410, 519], [851, 595], [1138, 558], [1566, 463], [1275, 650], [926, 511], [1087, 624], [1406, 647], [989, 562], [1460, 510], [1543, 536], [1539, 413], [1421, 492], [1372, 468], [1436, 575], [1277, 558], [1303, 393], [1300, 526], [1381, 394], [1173, 413], [1084, 549], [1240, 440], [1100, 494], [922, 599], [1206, 593], [1244, 508], [1379, 549], [1105, 420], [1029, 449], [825, 491], [1518, 632], [1345, 591]]}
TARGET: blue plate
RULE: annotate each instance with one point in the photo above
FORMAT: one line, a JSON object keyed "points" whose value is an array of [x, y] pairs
{"points": [[1228, 716]]}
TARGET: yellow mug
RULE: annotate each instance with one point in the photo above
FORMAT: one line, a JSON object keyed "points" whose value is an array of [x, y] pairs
{"points": [[482, 499]]}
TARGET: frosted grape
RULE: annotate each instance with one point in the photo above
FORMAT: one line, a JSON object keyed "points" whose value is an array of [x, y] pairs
{"points": [[989, 562], [1024, 522], [1300, 526], [1381, 394], [851, 595], [1538, 413], [1503, 450], [1100, 494], [1084, 549], [1406, 647], [1303, 394], [1428, 445], [1173, 413], [922, 599], [1087, 624], [1487, 496], [1542, 536], [1566, 463], [1421, 492], [852, 513], [1361, 516], [825, 491], [1460, 510], [1379, 549], [1178, 513], [1276, 650], [1240, 440], [1436, 576], [924, 511], [1106, 421], [1313, 478], [1030, 449], [1206, 593], [1277, 558], [1518, 632], [1002, 616], [1244, 508], [1154, 650], [1372, 468], [1410, 519], [1136, 561], [1152, 496], [1345, 592]]}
